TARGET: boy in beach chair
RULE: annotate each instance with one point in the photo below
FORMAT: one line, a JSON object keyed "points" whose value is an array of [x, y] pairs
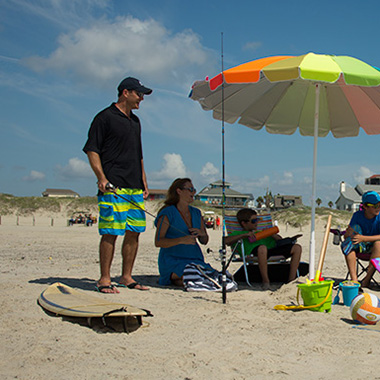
{"points": [[363, 236], [271, 246]]}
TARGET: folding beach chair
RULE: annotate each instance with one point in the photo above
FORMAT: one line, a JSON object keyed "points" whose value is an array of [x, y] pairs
{"points": [[361, 268], [264, 222]]}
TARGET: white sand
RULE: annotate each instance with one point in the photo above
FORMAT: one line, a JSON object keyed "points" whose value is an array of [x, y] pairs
{"points": [[191, 336]]}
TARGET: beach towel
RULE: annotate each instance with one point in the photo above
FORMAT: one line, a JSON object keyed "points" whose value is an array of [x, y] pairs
{"points": [[197, 278], [347, 245]]}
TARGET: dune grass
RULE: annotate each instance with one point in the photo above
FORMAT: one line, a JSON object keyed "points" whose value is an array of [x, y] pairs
{"points": [[24, 206]]}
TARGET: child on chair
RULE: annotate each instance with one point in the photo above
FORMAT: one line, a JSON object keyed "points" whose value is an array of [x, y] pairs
{"points": [[264, 248], [363, 235]]}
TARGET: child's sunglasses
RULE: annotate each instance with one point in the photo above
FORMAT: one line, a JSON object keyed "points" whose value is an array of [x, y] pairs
{"points": [[376, 206]]}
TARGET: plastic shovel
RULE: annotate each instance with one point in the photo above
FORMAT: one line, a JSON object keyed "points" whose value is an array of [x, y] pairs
{"points": [[336, 298]]}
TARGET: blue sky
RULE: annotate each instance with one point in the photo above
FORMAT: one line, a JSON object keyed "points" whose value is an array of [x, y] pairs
{"points": [[61, 61]]}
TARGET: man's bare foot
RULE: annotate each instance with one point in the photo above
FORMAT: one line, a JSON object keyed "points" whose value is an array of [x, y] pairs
{"points": [[109, 289]]}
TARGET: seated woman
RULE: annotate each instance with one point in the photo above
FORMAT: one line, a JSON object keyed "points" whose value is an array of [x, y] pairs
{"points": [[179, 227]]}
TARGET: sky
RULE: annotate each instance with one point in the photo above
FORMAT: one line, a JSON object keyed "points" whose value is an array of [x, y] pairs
{"points": [[61, 62]]}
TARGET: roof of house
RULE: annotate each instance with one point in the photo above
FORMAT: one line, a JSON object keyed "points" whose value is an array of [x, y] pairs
{"points": [[351, 194], [355, 194], [220, 183], [285, 197], [361, 189], [218, 191], [59, 192], [157, 191]]}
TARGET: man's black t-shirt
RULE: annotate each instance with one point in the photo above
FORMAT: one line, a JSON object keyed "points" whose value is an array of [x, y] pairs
{"points": [[117, 140]]}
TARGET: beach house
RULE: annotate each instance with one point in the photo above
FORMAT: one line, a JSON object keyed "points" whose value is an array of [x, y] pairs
{"points": [[351, 197], [212, 195], [60, 193]]}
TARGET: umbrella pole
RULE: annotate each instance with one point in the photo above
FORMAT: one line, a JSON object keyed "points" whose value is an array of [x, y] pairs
{"points": [[223, 252], [314, 182]]}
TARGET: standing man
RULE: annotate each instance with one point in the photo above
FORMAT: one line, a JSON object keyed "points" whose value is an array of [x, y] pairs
{"points": [[114, 151]]}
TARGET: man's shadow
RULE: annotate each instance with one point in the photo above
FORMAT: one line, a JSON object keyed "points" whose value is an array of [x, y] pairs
{"points": [[85, 283]]}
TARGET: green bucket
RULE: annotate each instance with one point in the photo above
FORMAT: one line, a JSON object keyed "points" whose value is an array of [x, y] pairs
{"points": [[317, 296]]}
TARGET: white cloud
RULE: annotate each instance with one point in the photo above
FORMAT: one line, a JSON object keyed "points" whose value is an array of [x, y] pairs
{"points": [[361, 174], [34, 176], [63, 13], [287, 179], [254, 45], [209, 171], [107, 51], [75, 168], [262, 182], [307, 180], [173, 167]]}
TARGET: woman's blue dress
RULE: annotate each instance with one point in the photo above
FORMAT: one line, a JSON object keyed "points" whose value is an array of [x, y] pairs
{"points": [[174, 259]]}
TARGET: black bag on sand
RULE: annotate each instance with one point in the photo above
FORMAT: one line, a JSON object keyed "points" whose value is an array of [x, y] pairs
{"points": [[277, 272]]}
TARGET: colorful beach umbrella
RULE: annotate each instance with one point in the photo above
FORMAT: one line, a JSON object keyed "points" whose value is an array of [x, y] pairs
{"points": [[313, 93]]}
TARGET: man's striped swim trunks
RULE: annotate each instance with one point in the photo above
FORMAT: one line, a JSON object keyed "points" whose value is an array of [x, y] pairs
{"points": [[117, 215]]}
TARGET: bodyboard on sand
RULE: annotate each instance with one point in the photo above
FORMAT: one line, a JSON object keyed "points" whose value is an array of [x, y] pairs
{"points": [[61, 299]]}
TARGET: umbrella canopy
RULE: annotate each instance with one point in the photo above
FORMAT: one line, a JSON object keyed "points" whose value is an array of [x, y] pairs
{"points": [[314, 93]]}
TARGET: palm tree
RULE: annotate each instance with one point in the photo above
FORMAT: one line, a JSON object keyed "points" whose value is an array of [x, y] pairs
{"points": [[318, 201], [269, 199], [259, 201], [330, 204]]}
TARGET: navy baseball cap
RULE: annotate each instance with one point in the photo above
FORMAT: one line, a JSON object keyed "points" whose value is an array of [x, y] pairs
{"points": [[133, 84], [371, 197]]}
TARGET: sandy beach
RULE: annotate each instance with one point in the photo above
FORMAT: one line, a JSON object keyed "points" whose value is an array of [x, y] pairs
{"points": [[191, 336]]}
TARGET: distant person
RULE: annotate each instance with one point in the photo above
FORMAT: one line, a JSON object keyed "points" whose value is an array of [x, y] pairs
{"points": [[179, 229], [363, 236], [115, 154], [217, 222], [264, 248]]}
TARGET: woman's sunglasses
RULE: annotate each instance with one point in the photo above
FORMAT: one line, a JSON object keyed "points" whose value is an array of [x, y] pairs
{"points": [[191, 189]]}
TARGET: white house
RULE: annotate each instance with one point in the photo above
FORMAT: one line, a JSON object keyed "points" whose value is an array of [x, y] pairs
{"points": [[350, 198]]}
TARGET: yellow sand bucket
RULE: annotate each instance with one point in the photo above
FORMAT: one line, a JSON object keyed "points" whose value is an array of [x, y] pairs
{"points": [[317, 296]]}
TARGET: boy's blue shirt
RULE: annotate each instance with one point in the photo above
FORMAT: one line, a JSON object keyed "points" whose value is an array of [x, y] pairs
{"points": [[369, 227]]}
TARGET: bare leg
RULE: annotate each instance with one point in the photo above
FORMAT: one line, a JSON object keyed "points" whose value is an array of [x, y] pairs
{"points": [[106, 252], [262, 256], [129, 252], [296, 252], [351, 264], [177, 281], [371, 269]]}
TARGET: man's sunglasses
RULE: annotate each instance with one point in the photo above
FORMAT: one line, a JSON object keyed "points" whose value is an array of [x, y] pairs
{"points": [[191, 189], [254, 220], [376, 206], [138, 93]]}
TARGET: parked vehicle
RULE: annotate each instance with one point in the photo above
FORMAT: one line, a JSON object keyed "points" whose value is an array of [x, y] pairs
{"points": [[209, 219]]}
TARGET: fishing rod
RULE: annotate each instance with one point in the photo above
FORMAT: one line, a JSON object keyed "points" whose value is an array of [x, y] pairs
{"points": [[110, 187], [223, 250]]}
